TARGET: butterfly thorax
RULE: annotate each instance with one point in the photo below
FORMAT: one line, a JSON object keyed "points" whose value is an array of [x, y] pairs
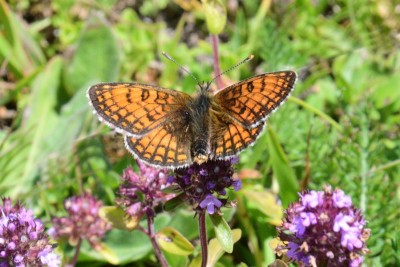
{"points": [[200, 125]]}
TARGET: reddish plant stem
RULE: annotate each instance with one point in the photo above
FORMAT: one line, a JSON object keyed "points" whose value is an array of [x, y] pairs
{"points": [[203, 238], [157, 250], [76, 255], [217, 66]]}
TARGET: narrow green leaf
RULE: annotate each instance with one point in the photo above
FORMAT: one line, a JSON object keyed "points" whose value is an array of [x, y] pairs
{"points": [[215, 251], [223, 232], [42, 117], [16, 44], [282, 170], [174, 242], [316, 111], [95, 59], [118, 218]]}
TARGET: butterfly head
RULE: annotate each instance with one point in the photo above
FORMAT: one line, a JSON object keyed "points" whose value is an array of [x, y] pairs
{"points": [[204, 86]]}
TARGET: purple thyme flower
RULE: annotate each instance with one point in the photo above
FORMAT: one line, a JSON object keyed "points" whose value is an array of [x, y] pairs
{"points": [[141, 192], [205, 185], [210, 202], [82, 222], [324, 229], [23, 241]]}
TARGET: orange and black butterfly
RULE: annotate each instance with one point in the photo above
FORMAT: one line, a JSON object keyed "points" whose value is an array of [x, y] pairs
{"points": [[171, 129]]}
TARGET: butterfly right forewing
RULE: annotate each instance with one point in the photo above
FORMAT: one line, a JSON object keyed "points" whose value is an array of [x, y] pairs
{"points": [[239, 112], [250, 101]]}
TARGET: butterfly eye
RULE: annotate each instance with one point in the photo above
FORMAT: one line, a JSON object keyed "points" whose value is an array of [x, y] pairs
{"points": [[187, 116]]}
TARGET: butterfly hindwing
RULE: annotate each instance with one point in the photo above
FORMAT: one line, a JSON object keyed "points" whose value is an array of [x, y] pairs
{"points": [[135, 109], [229, 137], [166, 146], [249, 102]]}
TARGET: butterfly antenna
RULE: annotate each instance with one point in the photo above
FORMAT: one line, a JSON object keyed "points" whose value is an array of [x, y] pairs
{"points": [[180, 67], [247, 59]]}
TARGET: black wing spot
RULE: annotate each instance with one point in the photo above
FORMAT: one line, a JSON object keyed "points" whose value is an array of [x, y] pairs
{"points": [[145, 94]]}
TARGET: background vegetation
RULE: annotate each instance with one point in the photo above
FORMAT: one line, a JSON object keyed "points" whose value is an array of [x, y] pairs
{"points": [[340, 127]]}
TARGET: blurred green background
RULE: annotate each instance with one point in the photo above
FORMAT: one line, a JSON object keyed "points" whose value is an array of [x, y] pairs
{"points": [[340, 127]]}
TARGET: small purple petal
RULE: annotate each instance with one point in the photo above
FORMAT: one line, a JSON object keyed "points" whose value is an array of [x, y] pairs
{"points": [[171, 179], [210, 209], [297, 226], [18, 259], [312, 199], [11, 227], [308, 218], [135, 209], [203, 172], [341, 222], [357, 261], [341, 200], [210, 185], [237, 185], [11, 246], [210, 202], [351, 239], [234, 160]]}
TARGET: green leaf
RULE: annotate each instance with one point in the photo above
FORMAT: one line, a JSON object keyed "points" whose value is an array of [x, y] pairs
{"points": [[223, 232], [118, 218], [95, 59], [215, 250], [266, 203], [107, 253], [17, 46], [127, 246], [174, 242], [31, 154], [282, 170]]}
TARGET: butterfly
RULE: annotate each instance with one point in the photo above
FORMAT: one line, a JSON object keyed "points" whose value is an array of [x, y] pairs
{"points": [[171, 129]]}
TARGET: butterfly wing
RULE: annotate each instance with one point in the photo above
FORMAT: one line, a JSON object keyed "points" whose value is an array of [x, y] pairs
{"points": [[166, 146], [249, 102], [228, 137], [240, 110], [135, 109]]}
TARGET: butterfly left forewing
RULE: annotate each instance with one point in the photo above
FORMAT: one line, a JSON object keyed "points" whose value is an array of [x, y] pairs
{"points": [[135, 109], [250, 101]]}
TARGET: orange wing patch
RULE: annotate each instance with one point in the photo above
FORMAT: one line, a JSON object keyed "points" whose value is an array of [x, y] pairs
{"points": [[161, 148], [135, 109], [249, 102], [229, 137]]}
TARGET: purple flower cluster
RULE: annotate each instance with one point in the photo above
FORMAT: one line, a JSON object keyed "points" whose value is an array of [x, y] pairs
{"points": [[324, 229], [83, 221], [23, 241], [206, 184], [141, 192]]}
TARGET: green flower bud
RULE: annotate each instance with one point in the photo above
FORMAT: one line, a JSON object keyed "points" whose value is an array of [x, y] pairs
{"points": [[215, 12]]}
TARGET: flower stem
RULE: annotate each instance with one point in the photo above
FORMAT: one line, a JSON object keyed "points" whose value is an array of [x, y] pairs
{"points": [[217, 66], [203, 238], [77, 251], [157, 250]]}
